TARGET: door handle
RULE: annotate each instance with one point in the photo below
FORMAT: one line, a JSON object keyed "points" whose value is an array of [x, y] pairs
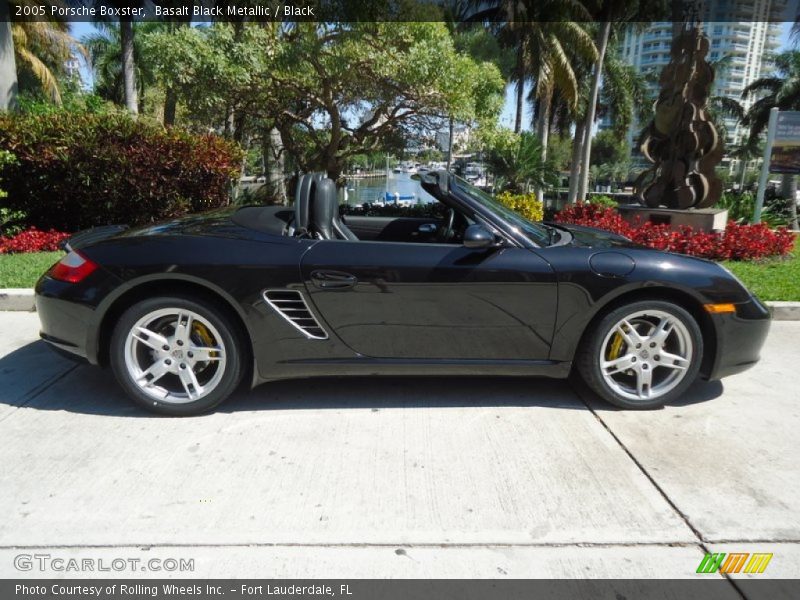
{"points": [[428, 228], [333, 280]]}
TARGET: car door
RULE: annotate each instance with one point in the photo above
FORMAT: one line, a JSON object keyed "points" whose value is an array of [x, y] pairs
{"points": [[393, 229], [433, 301]]}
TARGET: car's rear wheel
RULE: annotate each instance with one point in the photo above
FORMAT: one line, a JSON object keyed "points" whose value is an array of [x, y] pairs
{"points": [[176, 356], [642, 355]]}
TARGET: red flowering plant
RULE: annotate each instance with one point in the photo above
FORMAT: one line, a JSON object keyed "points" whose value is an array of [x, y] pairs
{"points": [[32, 240], [737, 242]]}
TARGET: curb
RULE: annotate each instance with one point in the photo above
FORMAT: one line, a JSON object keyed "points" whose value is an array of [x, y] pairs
{"points": [[21, 299], [784, 311]]}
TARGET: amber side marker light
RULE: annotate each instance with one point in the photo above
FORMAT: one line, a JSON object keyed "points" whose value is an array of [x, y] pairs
{"points": [[720, 308]]}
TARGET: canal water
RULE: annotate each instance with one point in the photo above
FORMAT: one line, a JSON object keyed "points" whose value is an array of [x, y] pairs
{"points": [[372, 190]]}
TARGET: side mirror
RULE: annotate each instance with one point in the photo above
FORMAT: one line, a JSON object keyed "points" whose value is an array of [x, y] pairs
{"points": [[477, 236]]}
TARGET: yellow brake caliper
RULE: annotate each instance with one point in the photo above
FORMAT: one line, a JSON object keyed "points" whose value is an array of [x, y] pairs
{"points": [[203, 334], [615, 347]]}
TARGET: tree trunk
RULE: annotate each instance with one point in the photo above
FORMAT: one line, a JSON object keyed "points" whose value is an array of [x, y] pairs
{"points": [[228, 127], [520, 88], [789, 191], [742, 173], [575, 163], [170, 107], [450, 145], [591, 109], [8, 65], [272, 146], [129, 65], [543, 133]]}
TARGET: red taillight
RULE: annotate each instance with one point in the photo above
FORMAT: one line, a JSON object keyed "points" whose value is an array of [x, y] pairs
{"points": [[73, 268]]}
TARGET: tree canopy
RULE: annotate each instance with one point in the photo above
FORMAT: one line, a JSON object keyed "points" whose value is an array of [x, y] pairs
{"points": [[332, 90]]}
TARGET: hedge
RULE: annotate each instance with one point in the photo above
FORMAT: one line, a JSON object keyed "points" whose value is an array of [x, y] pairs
{"points": [[737, 242], [74, 171]]}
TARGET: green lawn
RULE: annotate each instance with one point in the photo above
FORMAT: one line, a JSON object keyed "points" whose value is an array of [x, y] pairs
{"points": [[776, 279], [22, 270]]}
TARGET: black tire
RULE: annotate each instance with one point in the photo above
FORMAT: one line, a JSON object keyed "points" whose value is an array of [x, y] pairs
{"points": [[589, 355], [230, 338]]}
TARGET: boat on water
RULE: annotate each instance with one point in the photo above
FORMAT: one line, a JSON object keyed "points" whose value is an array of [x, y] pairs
{"points": [[399, 199]]}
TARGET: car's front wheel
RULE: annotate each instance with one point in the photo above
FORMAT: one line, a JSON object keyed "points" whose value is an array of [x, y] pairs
{"points": [[642, 355], [176, 356]]}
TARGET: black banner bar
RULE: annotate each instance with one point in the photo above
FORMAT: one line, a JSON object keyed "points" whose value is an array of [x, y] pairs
{"points": [[713, 588], [401, 10]]}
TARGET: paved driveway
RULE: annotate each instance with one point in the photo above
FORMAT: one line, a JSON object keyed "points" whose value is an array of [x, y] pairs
{"points": [[399, 477]]}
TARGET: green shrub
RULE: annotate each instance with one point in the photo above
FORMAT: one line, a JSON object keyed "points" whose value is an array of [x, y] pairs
{"points": [[74, 171], [602, 200], [11, 221], [6, 158], [525, 204], [741, 206]]}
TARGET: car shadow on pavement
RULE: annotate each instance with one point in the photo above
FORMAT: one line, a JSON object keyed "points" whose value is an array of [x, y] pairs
{"points": [[701, 391], [35, 377]]}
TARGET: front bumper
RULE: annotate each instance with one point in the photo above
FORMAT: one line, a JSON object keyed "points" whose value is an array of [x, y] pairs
{"points": [[739, 338]]}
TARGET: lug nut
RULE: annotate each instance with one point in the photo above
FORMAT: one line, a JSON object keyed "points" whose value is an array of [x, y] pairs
{"points": [[165, 347], [180, 343], [644, 366], [190, 354], [633, 359], [638, 346], [183, 366], [656, 357], [168, 362], [652, 344]]}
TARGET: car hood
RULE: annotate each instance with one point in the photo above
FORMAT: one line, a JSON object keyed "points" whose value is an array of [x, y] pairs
{"points": [[589, 237]]}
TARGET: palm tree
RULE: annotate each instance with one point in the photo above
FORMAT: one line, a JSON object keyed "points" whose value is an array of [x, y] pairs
{"points": [[611, 17], [8, 66], [546, 36], [128, 55], [41, 51], [622, 97], [106, 54], [518, 163], [782, 91], [555, 46]]}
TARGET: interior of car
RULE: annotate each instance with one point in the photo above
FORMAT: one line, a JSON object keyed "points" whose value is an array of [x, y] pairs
{"points": [[317, 214]]}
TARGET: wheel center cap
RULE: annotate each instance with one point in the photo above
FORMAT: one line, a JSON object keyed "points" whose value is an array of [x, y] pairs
{"points": [[177, 353], [644, 354]]}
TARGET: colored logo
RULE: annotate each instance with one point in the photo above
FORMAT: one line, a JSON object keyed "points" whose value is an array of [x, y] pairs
{"points": [[735, 562]]}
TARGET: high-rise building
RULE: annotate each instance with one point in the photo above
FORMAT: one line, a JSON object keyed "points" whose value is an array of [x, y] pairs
{"points": [[748, 44]]}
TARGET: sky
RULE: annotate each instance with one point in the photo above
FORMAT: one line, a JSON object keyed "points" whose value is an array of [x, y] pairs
{"points": [[506, 117]]}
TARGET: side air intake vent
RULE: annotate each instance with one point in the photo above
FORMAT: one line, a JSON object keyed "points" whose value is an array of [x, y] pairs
{"points": [[291, 305]]}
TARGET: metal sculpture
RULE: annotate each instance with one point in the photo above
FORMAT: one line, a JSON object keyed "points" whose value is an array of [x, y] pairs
{"points": [[681, 141]]}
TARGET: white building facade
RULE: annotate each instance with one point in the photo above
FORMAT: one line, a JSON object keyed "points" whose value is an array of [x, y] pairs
{"points": [[750, 41]]}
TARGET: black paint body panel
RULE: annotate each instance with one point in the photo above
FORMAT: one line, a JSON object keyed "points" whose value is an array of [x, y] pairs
{"points": [[396, 307]]}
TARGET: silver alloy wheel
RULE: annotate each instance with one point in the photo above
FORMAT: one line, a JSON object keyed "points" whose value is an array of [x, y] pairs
{"points": [[646, 354], [175, 355]]}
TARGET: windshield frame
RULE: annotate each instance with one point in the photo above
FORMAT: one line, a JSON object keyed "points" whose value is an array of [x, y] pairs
{"points": [[521, 229]]}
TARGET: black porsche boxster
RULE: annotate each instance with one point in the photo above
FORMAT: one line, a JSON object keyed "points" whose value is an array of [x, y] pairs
{"points": [[185, 311]]}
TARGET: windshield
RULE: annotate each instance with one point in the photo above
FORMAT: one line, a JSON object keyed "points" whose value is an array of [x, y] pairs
{"points": [[536, 232]]}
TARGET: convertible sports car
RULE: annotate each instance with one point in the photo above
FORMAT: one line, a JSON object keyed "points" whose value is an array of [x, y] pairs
{"points": [[186, 310]]}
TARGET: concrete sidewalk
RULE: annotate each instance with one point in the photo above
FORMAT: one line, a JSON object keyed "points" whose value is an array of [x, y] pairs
{"points": [[398, 477]]}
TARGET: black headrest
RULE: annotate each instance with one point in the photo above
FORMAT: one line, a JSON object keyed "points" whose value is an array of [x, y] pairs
{"points": [[302, 199], [324, 207]]}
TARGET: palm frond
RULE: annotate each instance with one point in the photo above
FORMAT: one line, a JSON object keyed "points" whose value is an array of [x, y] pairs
{"points": [[41, 72]]}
